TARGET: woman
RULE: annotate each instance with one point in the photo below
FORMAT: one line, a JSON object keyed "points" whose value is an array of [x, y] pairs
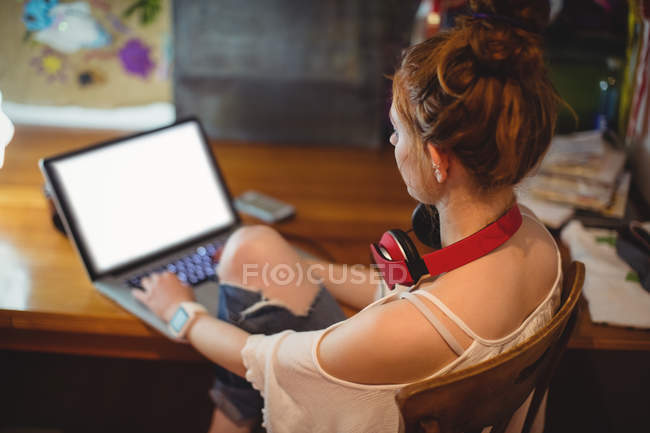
{"points": [[473, 113]]}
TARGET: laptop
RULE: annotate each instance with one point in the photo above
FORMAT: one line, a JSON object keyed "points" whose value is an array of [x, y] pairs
{"points": [[149, 202]]}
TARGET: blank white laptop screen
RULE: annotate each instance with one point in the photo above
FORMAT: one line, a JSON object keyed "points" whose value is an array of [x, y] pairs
{"points": [[139, 196]]}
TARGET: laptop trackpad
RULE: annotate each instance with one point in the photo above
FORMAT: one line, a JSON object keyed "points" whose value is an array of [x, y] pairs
{"points": [[207, 294]]}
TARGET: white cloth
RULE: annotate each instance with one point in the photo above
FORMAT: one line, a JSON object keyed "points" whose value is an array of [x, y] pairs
{"points": [[612, 298], [299, 396], [6, 132]]}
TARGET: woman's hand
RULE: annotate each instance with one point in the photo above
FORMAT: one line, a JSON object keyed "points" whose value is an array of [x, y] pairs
{"points": [[219, 341], [163, 293]]}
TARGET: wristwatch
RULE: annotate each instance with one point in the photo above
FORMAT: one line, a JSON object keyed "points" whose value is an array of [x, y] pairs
{"points": [[184, 318]]}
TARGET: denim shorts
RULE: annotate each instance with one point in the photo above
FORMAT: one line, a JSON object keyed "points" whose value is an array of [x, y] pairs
{"points": [[235, 396]]}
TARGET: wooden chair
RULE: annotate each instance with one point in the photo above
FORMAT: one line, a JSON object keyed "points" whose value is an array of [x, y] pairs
{"points": [[488, 394]]}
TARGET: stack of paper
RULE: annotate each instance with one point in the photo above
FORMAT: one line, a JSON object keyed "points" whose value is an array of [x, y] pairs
{"points": [[583, 171]]}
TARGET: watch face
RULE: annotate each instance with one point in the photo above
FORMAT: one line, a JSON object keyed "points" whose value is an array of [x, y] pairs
{"points": [[179, 319]]}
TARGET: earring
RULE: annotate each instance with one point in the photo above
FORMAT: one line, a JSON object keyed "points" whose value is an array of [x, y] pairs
{"points": [[436, 172]]}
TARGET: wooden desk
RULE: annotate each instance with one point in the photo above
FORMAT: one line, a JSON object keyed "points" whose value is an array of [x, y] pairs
{"points": [[345, 198]]}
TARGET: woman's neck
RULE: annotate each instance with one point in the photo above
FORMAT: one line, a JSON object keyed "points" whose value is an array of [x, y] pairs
{"points": [[466, 212]]}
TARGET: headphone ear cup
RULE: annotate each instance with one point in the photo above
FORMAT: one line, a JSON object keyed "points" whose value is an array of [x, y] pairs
{"points": [[426, 225], [410, 252]]}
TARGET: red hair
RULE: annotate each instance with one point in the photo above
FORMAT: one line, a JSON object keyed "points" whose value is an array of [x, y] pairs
{"points": [[481, 91]]}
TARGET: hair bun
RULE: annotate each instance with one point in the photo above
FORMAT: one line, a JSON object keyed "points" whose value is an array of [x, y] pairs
{"points": [[481, 91], [504, 35]]}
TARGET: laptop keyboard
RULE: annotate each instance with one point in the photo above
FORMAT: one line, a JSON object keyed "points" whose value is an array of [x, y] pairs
{"points": [[192, 269]]}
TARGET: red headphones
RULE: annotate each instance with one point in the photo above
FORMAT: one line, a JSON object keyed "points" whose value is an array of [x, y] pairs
{"points": [[400, 263]]}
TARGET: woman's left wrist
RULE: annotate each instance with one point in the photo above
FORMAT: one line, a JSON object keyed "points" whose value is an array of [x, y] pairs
{"points": [[184, 318], [169, 312]]}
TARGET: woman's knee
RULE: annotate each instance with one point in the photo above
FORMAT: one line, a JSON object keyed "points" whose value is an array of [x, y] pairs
{"points": [[248, 246], [252, 235], [259, 259]]}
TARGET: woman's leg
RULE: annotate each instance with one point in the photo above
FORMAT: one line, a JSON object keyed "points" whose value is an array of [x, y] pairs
{"points": [[259, 259], [262, 291], [222, 424]]}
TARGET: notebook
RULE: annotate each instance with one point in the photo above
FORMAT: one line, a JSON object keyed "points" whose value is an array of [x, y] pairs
{"points": [[148, 202]]}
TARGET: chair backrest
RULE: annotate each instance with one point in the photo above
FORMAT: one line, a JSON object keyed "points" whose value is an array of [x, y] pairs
{"points": [[488, 393]]}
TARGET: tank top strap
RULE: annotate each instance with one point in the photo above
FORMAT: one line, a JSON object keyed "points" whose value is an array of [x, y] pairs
{"points": [[452, 316], [440, 327]]}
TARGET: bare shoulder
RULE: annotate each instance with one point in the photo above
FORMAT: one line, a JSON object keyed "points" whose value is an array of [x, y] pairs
{"points": [[376, 346], [493, 295], [538, 247]]}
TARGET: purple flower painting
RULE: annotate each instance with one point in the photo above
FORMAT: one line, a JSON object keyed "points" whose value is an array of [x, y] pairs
{"points": [[135, 58]]}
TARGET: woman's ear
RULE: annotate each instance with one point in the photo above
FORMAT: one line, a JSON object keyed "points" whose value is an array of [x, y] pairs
{"points": [[439, 162]]}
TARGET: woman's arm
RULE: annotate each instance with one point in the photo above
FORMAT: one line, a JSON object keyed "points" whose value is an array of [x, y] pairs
{"points": [[353, 285], [219, 341]]}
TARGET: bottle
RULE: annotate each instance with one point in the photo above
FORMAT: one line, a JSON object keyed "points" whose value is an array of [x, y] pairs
{"points": [[608, 96], [427, 20]]}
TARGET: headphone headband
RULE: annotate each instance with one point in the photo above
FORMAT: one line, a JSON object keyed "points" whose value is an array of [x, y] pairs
{"points": [[398, 268]]}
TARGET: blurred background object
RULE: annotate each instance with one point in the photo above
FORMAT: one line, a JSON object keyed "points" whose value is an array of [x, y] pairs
{"points": [[6, 132], [94, 64], [277, 71], [583, 170], [635, 112], [293, 72], [428, 20]]}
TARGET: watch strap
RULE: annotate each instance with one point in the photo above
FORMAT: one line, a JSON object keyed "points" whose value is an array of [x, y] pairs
{"points": [[192, 310]]}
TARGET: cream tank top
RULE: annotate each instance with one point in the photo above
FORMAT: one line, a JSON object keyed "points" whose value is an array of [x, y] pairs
{"points": [[299, 396]]}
